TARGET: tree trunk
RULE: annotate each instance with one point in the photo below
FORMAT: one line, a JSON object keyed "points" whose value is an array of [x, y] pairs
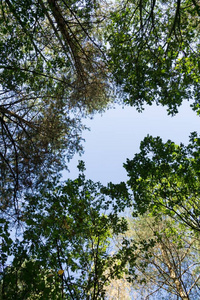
{"points": [[173, 276]]}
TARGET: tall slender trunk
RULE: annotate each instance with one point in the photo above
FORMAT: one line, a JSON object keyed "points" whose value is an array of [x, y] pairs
{"points": [[173, 275]]}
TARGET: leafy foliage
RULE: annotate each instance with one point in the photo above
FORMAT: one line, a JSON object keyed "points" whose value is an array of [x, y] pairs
{"points": [[154, 52], [170, 267], [53, 71], [26, 279], [165, 178], [66, 237]]}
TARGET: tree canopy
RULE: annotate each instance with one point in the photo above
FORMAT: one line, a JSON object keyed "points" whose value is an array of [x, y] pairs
{"points": [[53, 70], [164, 177], [154, 52], [168, 266], [65, 244], [61, 61]]}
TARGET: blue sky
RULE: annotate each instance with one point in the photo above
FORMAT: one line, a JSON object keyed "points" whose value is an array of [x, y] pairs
{"points": [[116, 135]]}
